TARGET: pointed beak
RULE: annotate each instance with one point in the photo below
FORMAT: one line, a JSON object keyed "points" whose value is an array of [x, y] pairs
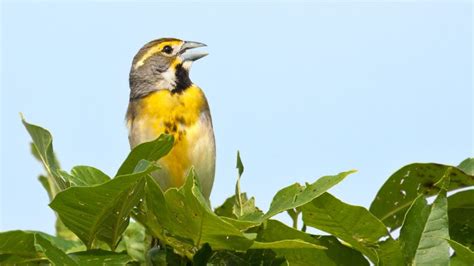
{"points": [[187, 55]]}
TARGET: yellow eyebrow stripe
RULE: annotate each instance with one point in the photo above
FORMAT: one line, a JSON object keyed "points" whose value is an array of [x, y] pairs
{"points": [[155, 49]]}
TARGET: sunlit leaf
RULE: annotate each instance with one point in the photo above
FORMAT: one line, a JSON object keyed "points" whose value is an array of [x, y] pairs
{"points": [[285, 244], [424, 231], [243, 207], [463, 255], [53, 253], [353, 224], [87, 176], [297, 195], [334, 254], [182, 218], [29, 246], [101, 257], [45, 183], [184, 230], [404, 186], [226, 209], [467, 166], [389, 253], [101, 212], [149, 151], [43, 143]]}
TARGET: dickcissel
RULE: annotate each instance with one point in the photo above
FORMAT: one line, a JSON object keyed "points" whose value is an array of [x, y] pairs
{"points": [[163, 99]]}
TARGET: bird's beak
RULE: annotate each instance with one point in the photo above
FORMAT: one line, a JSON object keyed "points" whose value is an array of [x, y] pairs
{"points": [[191, 56]]}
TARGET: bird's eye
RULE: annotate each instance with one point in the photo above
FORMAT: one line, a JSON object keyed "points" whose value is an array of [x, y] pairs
{"points": [[167, 49]]}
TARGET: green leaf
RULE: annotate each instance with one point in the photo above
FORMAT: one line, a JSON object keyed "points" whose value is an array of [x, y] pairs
{"points": [[463, 255], [243, 207], [45, 183], [22, 243], [240, 165], [285, 244], [64, 244], [424, 231], [404, 186], [99, 257], [54, 254], [101, 212], [390, 253], [7, 259], [43, 144], [467, 166], [149, 151], [240, 224], [461, 217], [414, 224], [246, 209], [353, 224], [182, 218], [53, 182], [29, 246], [297, 195], [19, 243], [226, 209], [35, 152], [87, 176], [335, 254]]}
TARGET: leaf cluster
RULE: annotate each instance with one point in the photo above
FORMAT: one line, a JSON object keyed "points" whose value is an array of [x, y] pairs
{"points": [[130, 219]]}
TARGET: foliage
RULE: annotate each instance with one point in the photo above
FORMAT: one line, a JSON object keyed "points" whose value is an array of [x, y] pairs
{"points": [[129, 219]]}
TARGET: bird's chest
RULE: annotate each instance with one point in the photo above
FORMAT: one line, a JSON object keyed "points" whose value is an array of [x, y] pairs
{"points": [[166, 112], [186, 117]]}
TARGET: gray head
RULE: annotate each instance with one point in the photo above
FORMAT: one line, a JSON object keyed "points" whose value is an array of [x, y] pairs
{"points": [[162, 64]]}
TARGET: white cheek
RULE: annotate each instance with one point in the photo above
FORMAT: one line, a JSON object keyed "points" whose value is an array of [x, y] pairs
{"points": [[187, 65], [170, 77], [168, 81]]}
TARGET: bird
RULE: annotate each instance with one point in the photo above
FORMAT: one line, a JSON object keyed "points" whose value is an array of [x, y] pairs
{"points": [[164, 100]]}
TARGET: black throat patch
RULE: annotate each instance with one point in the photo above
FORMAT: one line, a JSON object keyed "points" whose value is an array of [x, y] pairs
{"points": [[182, 79]]}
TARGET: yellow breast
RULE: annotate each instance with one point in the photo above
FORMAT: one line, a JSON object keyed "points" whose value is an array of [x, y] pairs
{"points": [[170, 113]]}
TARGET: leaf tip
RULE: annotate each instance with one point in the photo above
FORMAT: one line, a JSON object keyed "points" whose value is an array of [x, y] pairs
{"points": [[167, 137], [352, 171], [239, 165]]}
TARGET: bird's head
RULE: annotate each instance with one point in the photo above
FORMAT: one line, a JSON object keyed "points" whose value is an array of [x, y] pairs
{"points": [[163, 64]]}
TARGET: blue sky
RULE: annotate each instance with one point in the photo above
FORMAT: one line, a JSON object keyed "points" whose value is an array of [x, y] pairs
{"points": [[302, 90]]}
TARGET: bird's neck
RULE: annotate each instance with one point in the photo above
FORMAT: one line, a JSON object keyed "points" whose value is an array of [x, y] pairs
{"points": [[176, 82], [182, 79]]}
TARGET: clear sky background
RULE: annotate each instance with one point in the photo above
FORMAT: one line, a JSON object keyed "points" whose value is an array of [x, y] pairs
{"points": [[302, 90]]}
